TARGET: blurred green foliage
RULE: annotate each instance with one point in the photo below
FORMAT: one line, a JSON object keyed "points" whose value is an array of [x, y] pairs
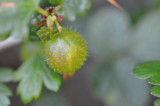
{"points": [[119, 43], [30, 48], [15, 18], [147, 48], [73, 8], [108, 28], [52, 99], [5, 92], [56, 2], [110, 38], [31, 74], [6, 75]]}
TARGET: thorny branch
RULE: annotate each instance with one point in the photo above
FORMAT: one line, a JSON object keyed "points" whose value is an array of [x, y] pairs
{"points": [[9, 42]]}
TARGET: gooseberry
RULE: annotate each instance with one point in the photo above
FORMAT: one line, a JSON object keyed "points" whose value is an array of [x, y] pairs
{"points": [[66, 51]]}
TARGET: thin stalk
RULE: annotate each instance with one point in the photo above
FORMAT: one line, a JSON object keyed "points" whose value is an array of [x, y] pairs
{"points": [[58, 26], [56, 9], [41, 11]]}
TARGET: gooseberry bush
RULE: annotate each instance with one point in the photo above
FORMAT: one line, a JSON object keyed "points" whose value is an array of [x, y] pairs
{"points": [[51, 52], [48, 50]]}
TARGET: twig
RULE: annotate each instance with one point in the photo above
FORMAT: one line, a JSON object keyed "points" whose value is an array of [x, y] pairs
{"points": [[9, 42]]}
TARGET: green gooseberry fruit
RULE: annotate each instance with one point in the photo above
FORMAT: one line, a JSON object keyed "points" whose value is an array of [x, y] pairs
{"points": [[66, 51]]}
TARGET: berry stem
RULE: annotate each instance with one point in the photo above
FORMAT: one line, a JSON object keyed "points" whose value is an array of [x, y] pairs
{"points": [[56, 9], [58, 26], [50, 21], [41, 11]]}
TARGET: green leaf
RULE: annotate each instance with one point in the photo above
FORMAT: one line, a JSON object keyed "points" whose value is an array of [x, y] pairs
{"points": [[147, 69], [51, 79], [31, 74], [5, 90], [31, 83], [155, 91], [155, 80], [15, 19], [73, 8], [150, 70], [4, 93], [6, 75], [157, 102]]}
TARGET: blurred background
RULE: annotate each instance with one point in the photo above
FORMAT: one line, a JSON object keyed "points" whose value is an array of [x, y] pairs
{"points": [[117, 40]]}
